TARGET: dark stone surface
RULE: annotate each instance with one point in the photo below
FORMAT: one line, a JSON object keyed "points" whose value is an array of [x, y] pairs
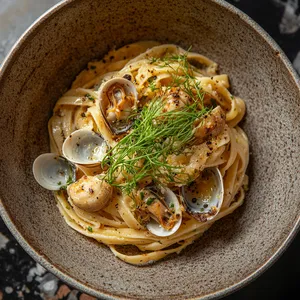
{"points": [[22, 278]]}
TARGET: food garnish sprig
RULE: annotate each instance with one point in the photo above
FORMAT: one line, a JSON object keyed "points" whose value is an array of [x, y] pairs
{"points": [[157, 133]]}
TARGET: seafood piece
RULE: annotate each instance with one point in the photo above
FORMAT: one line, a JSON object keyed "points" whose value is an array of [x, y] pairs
{"points": [[203, 198], [117, 101], [210, 125], [164, 208], [90, 193]]}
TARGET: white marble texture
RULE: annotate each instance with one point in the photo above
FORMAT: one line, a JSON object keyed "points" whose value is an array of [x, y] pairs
{"points": [[3, 241], [290, 22], [296, 63]]}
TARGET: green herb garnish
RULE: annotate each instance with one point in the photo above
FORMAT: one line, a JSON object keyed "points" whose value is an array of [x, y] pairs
{"points": [[149, 201], [142, 195], [183, 74], [90, 97], [69, 181], [90, 229], [157, 133], [153, 60], [152, 83]]}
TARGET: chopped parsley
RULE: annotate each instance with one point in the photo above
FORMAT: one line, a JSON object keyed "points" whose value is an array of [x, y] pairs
{"points": [[149, 201], [69, 181], [153, 60], [90, 97], [90, 229], [152, 83]]}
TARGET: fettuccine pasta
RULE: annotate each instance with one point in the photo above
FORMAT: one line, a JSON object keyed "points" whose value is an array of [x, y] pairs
{"points": [[181, 82]]}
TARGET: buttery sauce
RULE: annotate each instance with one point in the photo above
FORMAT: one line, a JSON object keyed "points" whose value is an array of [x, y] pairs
{"points": [[201, 190]]}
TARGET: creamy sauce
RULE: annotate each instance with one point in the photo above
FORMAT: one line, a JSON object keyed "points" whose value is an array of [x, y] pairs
{"points": [[201, 190]]}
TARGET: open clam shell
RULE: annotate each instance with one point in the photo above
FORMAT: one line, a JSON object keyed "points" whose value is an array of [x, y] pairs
{"points": [[84, 147], [203, 198], [117, 100], [169, 199], [53, 172]]}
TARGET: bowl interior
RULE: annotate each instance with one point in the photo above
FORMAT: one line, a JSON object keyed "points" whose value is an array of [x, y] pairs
{"points": [[43, 67]]}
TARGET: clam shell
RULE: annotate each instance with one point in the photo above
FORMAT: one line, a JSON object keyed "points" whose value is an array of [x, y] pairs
{"points": [[205, 208], [53, 172], [112, 94], [154, 227], [84, 147]]}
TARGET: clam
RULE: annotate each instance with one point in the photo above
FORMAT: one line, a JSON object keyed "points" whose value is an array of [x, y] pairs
{"points": [[53, 172], [203, 198], [164, 208], [118, 100], [84, 147]]}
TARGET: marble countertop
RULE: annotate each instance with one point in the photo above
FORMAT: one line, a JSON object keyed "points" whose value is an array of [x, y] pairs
{"points": [[22, 278]]}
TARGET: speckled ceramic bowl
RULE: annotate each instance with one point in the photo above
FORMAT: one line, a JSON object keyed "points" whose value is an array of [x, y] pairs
{"points": [[237, 248]]}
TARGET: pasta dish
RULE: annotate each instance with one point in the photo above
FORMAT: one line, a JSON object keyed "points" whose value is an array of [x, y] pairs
{"points": [[146, 151]]}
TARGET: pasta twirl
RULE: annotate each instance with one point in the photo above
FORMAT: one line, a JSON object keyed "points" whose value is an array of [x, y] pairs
{"points": [[175, 86]]}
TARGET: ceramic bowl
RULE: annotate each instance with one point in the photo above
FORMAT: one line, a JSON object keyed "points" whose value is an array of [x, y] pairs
{"points": [[237, 248]]}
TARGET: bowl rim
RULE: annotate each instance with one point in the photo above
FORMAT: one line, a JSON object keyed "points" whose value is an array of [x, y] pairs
{"points": [[85, 287]]}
